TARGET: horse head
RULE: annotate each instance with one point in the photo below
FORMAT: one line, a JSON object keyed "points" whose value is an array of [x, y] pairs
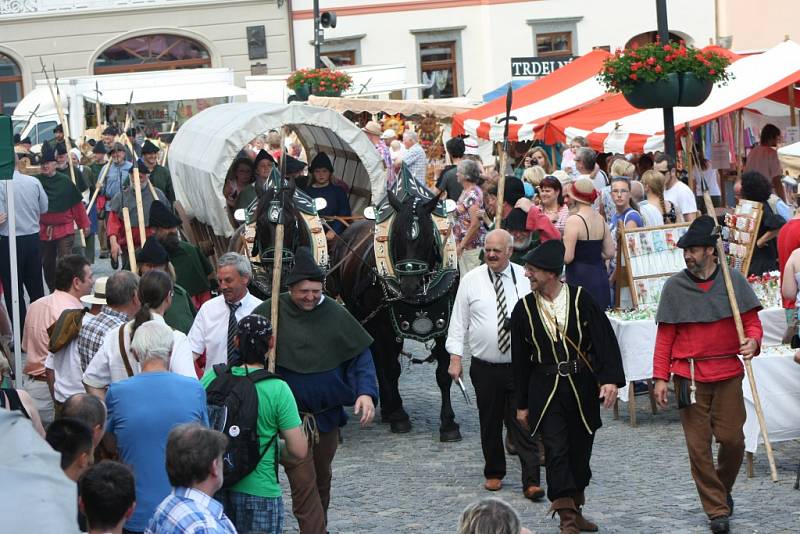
{"points": [[414, 247]]}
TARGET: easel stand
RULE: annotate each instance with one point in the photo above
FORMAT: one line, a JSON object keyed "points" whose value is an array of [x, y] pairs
{"points": [[741, 233]]}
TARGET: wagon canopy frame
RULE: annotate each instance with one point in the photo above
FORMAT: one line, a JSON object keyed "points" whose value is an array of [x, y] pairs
{"points": [[206, 145]]}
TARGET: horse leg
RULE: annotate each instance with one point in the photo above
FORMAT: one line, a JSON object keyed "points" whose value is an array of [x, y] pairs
{"points": [[448, 428], [385, 353]]}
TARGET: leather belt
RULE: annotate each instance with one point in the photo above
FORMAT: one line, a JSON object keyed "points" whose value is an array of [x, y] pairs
{"points": [[571, 367], [490, 364], [38, 378]]}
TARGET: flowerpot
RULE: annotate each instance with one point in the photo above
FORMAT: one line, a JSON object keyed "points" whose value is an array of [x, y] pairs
{"points": [[301, 92], [327, 92], [694, 91], [659, 94]]}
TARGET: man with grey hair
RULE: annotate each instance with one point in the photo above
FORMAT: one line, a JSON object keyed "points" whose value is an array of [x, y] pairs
{"points": [[195, 470], [415, 158], [215, 326], [143, 409], [586, 167], [490, 516]]}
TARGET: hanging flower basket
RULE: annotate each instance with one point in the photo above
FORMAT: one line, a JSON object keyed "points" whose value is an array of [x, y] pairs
{"points": [[664, 75], [321, 82]]}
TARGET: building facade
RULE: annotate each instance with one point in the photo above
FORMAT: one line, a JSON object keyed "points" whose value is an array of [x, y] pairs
{"points": [[746, 26], [465, 47], [84, 37]]}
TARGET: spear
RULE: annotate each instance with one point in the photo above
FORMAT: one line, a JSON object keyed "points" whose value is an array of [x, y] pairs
{"points": [[99, 185], [97, 110], [501, 181], [737, 317], [277, 262], [56, 95]]}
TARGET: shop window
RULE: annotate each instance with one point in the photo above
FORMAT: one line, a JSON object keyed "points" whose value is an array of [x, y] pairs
{"points": [[342, 58], [152, 52], [10, 85], [554, 44], [439, 71]]}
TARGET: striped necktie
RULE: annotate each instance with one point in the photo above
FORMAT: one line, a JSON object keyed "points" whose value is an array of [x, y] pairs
{"points": [[503, 335], [232, 329]]}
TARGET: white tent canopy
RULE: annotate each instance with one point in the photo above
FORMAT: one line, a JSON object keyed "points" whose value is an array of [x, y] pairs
{"points": [[790, 158], [206, 145]]}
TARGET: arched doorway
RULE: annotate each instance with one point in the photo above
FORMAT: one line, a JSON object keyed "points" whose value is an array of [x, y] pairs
{"points": [[10, 85], [152, 52], [650, 37]]}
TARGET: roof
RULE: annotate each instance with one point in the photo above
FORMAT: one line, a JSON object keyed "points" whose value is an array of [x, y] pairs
{"points": [[612, 125], [439, 108], [206, 145], [571, 86]]}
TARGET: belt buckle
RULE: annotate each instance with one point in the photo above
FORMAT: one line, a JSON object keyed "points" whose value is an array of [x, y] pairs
{"points": [[558, 369]]}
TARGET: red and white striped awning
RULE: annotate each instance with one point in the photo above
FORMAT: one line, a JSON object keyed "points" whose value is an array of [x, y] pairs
{"points": [[564, 90], [612, 125]]}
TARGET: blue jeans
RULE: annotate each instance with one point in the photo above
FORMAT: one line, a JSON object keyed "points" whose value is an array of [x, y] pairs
{"points": [[252, 514]]}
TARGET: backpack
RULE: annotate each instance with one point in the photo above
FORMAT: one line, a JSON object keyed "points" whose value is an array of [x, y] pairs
{"points": [[233, 410]]}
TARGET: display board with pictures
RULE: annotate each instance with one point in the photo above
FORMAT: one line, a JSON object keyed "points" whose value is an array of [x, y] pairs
{"points": [[646, 258], [740, 233]]}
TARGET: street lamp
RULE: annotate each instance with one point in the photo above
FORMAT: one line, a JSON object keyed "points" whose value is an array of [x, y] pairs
{"points": [[326, 19]]}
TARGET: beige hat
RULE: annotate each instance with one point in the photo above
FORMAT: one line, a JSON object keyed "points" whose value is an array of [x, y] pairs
{"points": [[98, 295], [389, 134], [583, 191], [373, 128], [563, 177]]}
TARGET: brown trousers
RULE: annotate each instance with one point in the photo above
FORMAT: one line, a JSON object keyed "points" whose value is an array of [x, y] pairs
{"points": [[718, 412], [51, 251], [310, 482]]}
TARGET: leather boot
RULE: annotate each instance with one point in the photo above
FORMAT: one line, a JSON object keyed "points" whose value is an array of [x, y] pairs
{"points": [[583, 524], [568, 513]]}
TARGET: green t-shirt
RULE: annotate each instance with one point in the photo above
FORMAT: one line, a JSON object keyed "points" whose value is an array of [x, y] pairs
{"points": [[277, 410]]}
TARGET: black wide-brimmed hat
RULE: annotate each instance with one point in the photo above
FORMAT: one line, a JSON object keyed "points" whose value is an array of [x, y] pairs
{"points": [[110, 131], [99, 148], [701, 233], [262, 155], [549, 256], [58, 128], [48, 154], [26, 141], [152, 252], [161, 216], [294, 165], [150, 148], [61, 149], [515, 222], [321, 161], [305, 268]]}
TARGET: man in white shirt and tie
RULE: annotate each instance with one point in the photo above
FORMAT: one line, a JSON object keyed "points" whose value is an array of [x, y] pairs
{"points": [[486, 296], [215, 326]]}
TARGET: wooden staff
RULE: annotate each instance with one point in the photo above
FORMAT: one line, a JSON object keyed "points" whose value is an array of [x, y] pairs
{"points": [[99, 185], [737, 319], [501, 181], [166, 148], [277, 262], [65, 126], [126, 220]]}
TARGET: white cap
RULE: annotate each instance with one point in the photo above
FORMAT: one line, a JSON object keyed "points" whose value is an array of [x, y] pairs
{"points": [[470, 147], [388, 134]]}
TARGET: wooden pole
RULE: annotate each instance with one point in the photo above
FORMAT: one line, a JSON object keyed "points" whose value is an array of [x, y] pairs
{"points": [[166, 148], [277, 263], [737, 319], [792, 112], [99, 185], [739, 145], [501, 186], [97, 108], [126, 220]]}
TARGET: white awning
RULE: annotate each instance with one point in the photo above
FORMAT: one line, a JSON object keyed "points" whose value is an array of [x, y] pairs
{"points": [[167, 93]]}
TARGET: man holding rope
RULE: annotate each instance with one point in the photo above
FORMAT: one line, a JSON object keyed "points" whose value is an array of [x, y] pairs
{"points": [[698, 344]]}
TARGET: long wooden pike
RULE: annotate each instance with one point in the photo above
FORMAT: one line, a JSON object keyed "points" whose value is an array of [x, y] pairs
{"points": [[737, 316], [56, 95], [100, 181], [277, 263], [501, 180]]}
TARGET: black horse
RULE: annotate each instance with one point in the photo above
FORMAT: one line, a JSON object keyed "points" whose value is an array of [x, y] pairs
{"points": [[416, 253]]}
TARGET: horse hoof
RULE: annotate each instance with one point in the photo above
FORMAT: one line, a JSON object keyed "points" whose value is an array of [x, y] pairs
{"points": [[448, 436], [400, 427]]}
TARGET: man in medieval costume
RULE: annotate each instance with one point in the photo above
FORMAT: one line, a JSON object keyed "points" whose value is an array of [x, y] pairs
{"points": [[697, 344], [564, 356], [159, 174], [323, 354]]}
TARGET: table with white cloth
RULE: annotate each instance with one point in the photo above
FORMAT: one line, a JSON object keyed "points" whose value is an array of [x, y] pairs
{"points": [[637, 339]]}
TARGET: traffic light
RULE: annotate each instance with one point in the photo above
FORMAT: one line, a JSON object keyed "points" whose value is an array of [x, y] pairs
{"points": [[327, 19], [6, 148]]}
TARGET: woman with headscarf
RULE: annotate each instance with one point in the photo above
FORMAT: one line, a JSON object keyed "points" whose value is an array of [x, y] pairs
{"points": [[239, 191], [321, 185]]}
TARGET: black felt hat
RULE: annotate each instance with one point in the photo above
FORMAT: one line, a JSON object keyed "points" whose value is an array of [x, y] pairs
{"points": [[305, 268], [321, 161], [161, 216], [61, 149], [149, 148], [48, 154], [549, 256], [26, 141], [294, 165], [262, 155], [152, 252], [17, 138], [99, 148], [110, 131], [58, 128], [515, 222], [701, 233], [514, 190]]}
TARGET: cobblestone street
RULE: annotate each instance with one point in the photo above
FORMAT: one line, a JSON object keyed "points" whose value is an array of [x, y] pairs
{"points": [[386, 483]]}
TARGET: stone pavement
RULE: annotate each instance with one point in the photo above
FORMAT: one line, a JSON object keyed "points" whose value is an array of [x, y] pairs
{"points": [[396, 483]]}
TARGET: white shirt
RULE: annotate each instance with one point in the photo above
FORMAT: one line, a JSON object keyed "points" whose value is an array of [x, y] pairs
{"points": [[475, 312], [107, 366], [66, 365], [209, 332], [650, 214], [682, 198]]}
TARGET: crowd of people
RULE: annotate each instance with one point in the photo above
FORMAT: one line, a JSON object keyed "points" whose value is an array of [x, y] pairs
{"points": [[153, 396]]}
